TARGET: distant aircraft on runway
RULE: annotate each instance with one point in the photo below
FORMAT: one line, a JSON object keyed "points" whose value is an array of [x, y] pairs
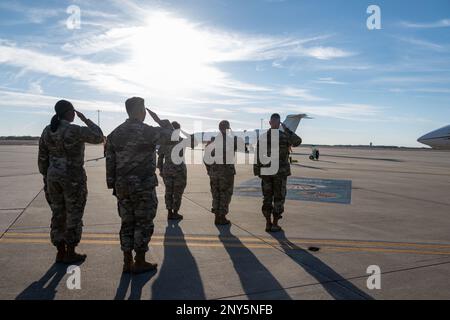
{"points": [[438, 139], [292, 121]]}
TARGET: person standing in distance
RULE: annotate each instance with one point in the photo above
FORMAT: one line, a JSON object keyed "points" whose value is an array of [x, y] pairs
{"points": [[274, 186], [222, 170], [174, 175]]}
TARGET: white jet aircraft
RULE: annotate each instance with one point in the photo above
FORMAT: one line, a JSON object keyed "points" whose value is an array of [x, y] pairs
{"points": [[292, 121], [437, 139]]}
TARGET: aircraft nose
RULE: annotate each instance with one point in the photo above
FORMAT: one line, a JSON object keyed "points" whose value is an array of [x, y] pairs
{"points": [[427, 136], [421, 139]]}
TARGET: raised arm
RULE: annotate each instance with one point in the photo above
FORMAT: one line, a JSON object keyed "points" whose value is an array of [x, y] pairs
{"points": [[293, 139], [155, 117], [90, 134]]}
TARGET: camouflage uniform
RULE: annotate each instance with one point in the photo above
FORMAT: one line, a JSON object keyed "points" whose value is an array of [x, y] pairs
{"points": [[61, 161], [274, 186], [221, 177], [130, 172], [174, 175]]}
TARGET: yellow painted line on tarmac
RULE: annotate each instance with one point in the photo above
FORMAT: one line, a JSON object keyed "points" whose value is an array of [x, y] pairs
{"points": [[370, 243], [152, 243], [11, 240], [252, 239], [385, 250], [233, 245]]}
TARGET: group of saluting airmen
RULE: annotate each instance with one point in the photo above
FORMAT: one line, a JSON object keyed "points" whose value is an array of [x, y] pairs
{"points": [[131, 164]]}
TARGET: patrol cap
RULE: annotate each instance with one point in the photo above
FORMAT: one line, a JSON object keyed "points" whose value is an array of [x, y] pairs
{"points": [[133, 104]]}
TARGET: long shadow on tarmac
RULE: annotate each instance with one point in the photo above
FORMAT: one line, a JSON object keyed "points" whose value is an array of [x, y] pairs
{"points": [[336, 285], [179, 277], [135, 283], [255, 277], [40, 290]]}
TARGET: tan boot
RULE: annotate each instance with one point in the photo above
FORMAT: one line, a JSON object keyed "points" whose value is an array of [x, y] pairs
{"points": [[61, 252], [174, 215], [142, 266], [72, 256], [127, 261], [221, 220]]}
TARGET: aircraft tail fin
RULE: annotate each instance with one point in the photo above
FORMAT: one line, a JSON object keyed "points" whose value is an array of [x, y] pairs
{"points": [[293, 120]]}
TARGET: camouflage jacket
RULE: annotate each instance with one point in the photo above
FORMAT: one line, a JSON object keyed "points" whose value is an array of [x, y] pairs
{"points": [[165, 163], [221, 167], [131, 152], [287, 139], [61, 152]]}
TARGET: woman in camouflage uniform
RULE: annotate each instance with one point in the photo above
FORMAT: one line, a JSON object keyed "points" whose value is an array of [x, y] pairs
{"points": [[61, 161]]}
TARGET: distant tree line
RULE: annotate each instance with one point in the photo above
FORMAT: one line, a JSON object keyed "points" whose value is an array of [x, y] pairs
{"points": [[21, 138]]}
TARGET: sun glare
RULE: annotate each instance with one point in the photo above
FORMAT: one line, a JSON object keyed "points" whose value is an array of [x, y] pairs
{"points": [[172, 55]]}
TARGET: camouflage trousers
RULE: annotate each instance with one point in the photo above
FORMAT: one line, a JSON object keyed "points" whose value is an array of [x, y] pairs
{"points": [[274, 193], [67, 199], [222, 191], [175, 185], [137, 207]]}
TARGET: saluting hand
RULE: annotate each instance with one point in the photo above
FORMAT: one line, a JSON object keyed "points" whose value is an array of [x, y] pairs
{"points": [[153, 115], [81, 116]]}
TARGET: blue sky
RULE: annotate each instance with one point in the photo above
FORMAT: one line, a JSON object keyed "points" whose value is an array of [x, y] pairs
{"points": [[238, 60]]}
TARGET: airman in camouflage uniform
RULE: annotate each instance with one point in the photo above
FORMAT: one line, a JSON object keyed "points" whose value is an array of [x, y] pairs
{"points": [[174, 175], [61, 161], [221, 172], [130, 172], [274, 186]]}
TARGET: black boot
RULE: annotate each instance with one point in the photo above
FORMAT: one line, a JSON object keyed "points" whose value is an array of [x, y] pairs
{"points": [[275, 226], [127, 261], [72, 256], [221, 220], [173, 215], [61, 252], [268, 224], [142, 266]]}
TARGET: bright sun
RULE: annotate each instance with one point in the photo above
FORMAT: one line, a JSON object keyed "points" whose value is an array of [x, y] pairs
{"points": [[172, 55]]}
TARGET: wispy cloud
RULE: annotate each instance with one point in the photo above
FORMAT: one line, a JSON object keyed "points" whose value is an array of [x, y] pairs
{"points": [[342, 111], [170, 56], [32, 15], [300, 94], [421, 90], [329, 80], [422, 43], [408, 80], [35, 88], [444, 23], [9, 98], [328, 53]]}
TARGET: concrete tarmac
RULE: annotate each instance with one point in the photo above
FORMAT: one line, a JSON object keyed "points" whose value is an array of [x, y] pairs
{"points": [[394, 215]]}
